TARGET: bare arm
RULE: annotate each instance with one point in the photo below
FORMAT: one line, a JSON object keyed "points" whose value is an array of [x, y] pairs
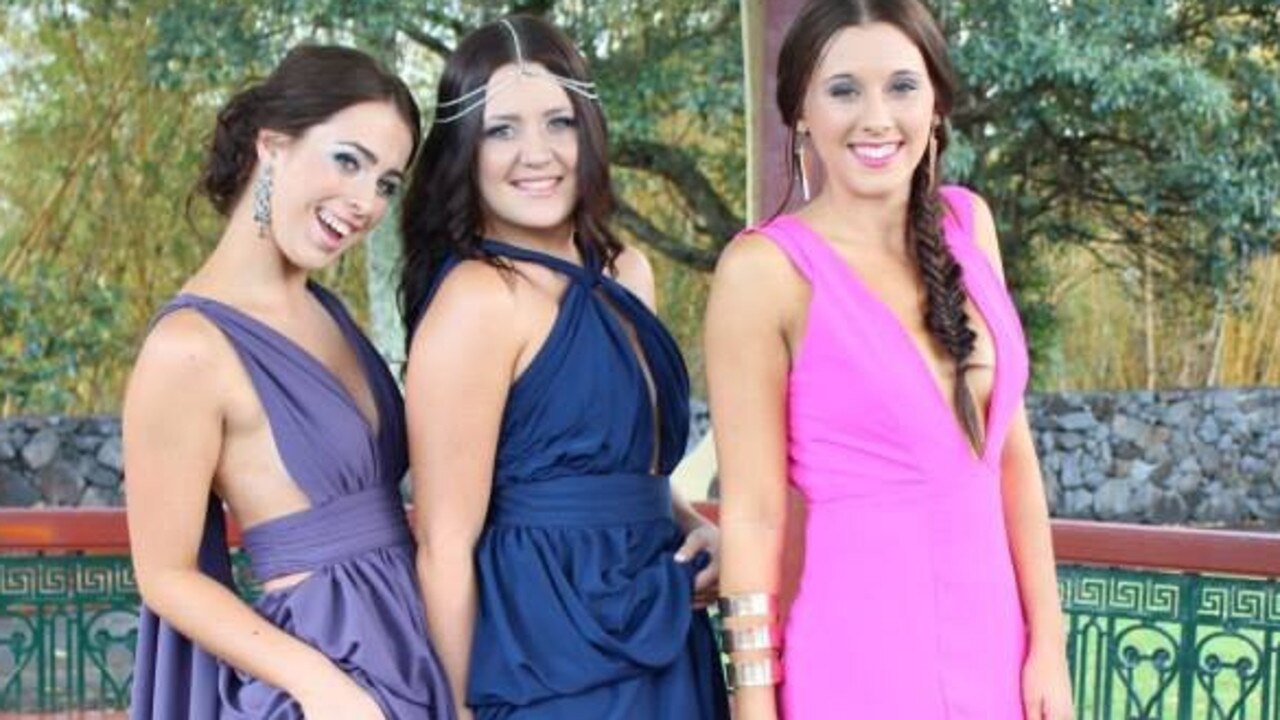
{"points": [[1030, 539], [747, 363], [171, 450], [1022, 485], [636, 274], [460, 368], [1046, 686]]}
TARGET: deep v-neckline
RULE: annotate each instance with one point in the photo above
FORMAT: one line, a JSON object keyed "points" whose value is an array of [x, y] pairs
{"points": [[594, 280], [854, 280], [346, 329]]}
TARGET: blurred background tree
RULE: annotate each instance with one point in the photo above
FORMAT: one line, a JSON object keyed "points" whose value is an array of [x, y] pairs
{"points": [[1129, 151], [1131, 155], [134, 86]]}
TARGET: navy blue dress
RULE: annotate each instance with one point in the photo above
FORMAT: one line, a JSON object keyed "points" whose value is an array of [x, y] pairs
{"points": [[583, 612]]}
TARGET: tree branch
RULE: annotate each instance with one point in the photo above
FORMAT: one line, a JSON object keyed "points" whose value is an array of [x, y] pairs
{"points": [[644, 231], [430, 42], [541, 8], [623, 65], [711, 213]]}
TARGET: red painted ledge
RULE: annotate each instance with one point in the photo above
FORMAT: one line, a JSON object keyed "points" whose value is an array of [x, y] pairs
{"points": [[1182, 549]]}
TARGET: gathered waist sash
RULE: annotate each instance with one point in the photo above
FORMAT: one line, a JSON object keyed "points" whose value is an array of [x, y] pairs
{"points": [[327, 534], [582, 500]]}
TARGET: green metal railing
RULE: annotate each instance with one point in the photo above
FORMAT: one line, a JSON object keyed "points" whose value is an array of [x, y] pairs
{"points": [[1181, 646], [68, 629], [1142, 644], [1164, 623], [66, 632]]}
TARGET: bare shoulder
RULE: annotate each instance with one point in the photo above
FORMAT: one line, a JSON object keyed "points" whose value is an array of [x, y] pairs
{"points": [[184, 373], [475, 299], [753, 260], [476, 288], [984, 232], [183, 346], [756, 287], [635, 273]]}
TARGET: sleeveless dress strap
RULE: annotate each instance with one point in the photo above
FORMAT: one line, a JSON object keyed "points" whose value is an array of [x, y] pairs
{"points": [[958, 220], [661, 353], [958, 209], [282, 373], [793, 239], [590, 271], [980, 274]]}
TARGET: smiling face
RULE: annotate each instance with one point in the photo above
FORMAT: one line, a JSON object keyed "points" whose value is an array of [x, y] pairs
{"points": [[334, 182], [869, 109], [528, 157]]}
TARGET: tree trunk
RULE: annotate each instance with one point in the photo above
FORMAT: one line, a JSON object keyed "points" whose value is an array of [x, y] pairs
{"points": [[1217, 338], [1148, 318], [382, 255]]}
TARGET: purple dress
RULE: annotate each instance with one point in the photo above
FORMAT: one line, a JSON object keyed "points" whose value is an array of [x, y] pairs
{"points": [[360, 605]]}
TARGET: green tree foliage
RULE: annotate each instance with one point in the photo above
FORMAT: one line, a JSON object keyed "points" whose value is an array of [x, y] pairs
{"points": [[671, 86], [1143, 131], [95, 168], [53, 329]]}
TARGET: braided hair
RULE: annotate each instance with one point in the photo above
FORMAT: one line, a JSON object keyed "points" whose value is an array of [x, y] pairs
{"points": [[945, 297], [945, 317]]}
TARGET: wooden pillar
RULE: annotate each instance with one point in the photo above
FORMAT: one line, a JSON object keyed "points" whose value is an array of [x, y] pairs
{"points": [[764, 25]]}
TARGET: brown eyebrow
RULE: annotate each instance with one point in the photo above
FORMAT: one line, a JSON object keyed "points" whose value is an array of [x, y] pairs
{"points": [[369, 156], [366, 152], [895, 74], [512, 117]]}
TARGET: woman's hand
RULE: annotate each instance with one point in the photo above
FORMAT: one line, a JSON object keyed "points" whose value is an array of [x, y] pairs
{"points": [[342, 699], [704, 537], [1046, 686]]}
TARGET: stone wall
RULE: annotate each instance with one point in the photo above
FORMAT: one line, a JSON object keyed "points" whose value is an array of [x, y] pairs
{"points": [[60, 462], [1204, 457]]}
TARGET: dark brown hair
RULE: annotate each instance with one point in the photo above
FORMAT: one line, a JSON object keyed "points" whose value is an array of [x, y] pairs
{"points": [[311, 84], [806, 41], [441, 213]]}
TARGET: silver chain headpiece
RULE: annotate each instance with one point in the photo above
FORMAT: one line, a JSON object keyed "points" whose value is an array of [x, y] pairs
{"points": [[475, 99]]}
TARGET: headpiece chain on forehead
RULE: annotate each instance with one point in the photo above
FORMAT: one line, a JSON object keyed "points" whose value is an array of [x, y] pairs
{"points": [[475, 99]]}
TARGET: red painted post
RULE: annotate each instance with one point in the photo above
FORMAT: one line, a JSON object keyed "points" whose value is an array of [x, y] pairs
{"points": [[765, 24]]}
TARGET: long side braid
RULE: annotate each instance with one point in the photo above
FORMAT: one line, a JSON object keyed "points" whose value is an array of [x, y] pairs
{"points": [[945, 315]]}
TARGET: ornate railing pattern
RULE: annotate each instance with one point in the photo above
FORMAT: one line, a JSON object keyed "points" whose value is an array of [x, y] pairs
{"points": [[1151, 645], [1199, 643], [1142, 644], [68, 630]]}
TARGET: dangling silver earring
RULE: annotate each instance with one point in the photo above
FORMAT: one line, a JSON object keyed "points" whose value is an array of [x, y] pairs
{"points": [[932, 169], [262, 202], [804, 170]]}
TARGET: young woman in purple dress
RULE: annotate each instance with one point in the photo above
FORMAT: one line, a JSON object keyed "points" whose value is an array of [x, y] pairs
{"points": [[255, 389]]}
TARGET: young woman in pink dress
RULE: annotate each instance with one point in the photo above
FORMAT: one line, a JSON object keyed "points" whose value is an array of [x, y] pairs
{"points": [[865, 349]]}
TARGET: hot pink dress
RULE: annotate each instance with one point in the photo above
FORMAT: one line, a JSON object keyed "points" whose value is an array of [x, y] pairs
{"points": [[908, 607]]}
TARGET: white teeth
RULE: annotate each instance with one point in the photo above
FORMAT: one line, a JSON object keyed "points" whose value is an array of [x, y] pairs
{"points": [[536, 185], [876, 152], [335, 223]]}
